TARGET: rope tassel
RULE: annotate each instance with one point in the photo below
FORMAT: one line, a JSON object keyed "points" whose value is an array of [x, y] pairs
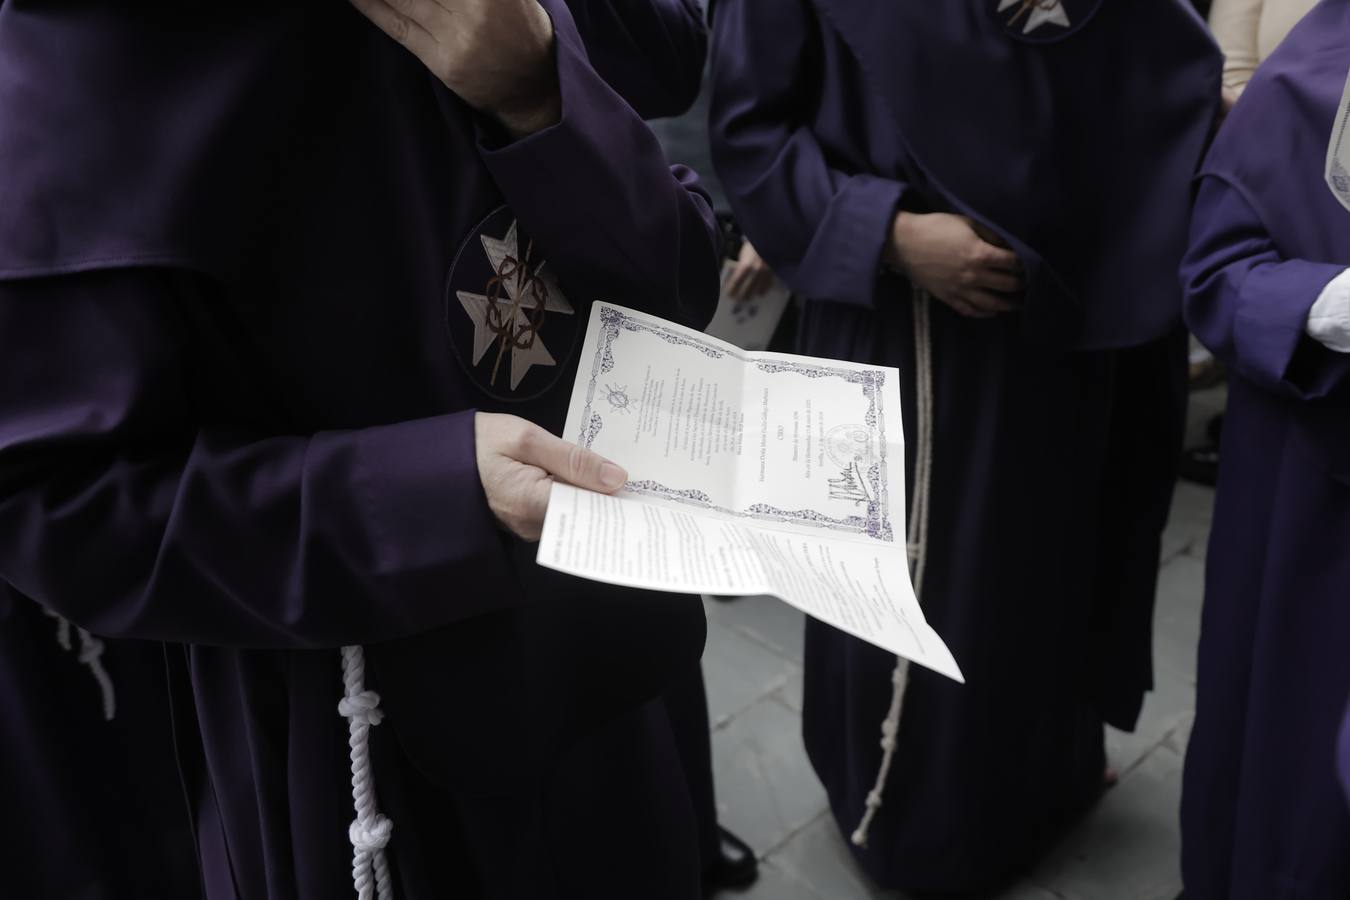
{"points": [[370, 831], [917, 546], [91, 654]]}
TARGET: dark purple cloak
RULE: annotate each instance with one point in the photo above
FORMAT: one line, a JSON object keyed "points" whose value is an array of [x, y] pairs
{"points": [[651, 51], [94, 807], [236, 415], [1053, 467], [1261, 813]]}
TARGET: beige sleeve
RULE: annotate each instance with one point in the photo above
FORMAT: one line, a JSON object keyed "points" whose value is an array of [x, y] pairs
{"points": [[1278, 17], [1236, 24]]}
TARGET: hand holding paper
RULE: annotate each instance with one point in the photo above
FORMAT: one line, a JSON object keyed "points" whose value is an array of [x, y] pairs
{"points": [[518, 462], [747, 473]]}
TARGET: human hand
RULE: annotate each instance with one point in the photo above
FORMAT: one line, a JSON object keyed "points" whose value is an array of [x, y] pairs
{"points": [[518, 462], [750, 277], [946, 256], [495, 54]]}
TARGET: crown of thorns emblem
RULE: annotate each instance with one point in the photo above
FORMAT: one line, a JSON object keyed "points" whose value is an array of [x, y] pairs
{"points": [[513, 308]]}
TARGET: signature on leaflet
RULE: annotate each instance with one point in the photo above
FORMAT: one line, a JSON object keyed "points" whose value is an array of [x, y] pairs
{"points": [[849, 486]]}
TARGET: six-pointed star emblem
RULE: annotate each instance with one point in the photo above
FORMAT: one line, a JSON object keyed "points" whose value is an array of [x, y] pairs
{"points": [[513, 322], [1038, 13]]}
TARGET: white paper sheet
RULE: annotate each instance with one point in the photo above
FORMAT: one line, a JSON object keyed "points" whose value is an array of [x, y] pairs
{"points": [[748, 473]]}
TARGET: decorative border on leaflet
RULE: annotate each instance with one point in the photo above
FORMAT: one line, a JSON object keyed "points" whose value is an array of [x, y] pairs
{"points": [[875, 522]]}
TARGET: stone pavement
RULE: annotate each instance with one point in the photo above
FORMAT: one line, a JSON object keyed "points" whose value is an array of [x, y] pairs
{"points": [[1127, 848]]}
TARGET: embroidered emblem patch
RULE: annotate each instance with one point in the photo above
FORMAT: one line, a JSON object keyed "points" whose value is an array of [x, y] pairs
{"points": [[510, 323], [1043, 21]]}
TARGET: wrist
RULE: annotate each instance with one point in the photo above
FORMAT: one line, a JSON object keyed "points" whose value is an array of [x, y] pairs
{"points": [[533, 101], [902, 230], [524, 120]]}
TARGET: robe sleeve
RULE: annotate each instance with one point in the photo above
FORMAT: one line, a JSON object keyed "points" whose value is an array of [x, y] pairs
{"points": [[1250, 305], [126, 512], [594, 189], [651, 51], [820, 228]]}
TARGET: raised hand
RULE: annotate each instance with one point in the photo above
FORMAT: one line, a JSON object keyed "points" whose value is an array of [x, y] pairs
{"points": [[495, 54]]}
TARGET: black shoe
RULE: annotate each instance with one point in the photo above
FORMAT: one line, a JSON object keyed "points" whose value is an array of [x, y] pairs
{"points": [[1201, 465], [736, 870]]}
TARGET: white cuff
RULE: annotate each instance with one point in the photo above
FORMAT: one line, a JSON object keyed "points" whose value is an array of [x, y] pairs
{"points": [[1329, 318]]}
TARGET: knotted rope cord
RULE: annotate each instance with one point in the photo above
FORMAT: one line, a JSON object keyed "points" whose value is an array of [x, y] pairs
{"points": [[917, 547], [91, 655], [370, 831], [62, 628]]}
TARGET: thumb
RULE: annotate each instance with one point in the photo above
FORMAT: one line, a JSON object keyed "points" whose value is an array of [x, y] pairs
{"points": [[568, 462]]}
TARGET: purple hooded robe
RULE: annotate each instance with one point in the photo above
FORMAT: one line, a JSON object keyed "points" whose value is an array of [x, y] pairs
{"points": [[236, 415], [1261, 814], [1055, 429]]}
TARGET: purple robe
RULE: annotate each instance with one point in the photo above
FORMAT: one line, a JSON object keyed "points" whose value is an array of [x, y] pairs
{"points": [[1261, 814], [93, 807], [1056, 429], [651, 51], [239, 368]]}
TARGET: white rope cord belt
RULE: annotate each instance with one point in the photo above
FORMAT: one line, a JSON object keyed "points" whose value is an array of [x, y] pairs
{"points": [[91, 654], [370, 831], [917, 545]]}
